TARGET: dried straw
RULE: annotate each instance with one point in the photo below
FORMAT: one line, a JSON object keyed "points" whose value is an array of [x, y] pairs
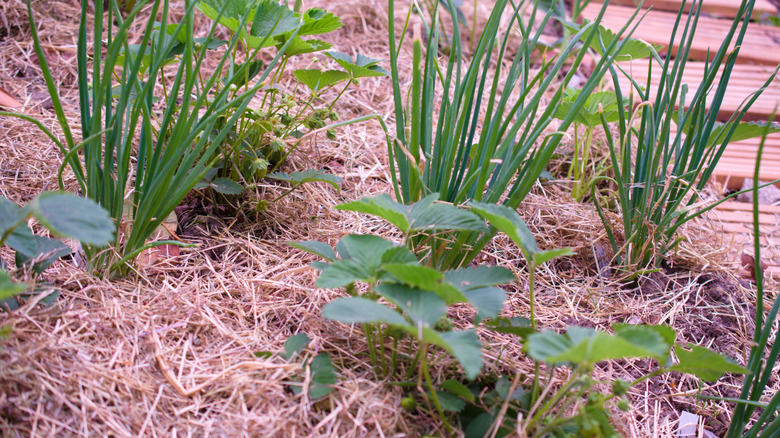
{"points": [[170, 350]]}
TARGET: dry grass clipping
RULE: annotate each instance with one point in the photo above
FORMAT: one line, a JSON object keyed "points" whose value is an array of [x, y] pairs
{"points": [[170, 351]]}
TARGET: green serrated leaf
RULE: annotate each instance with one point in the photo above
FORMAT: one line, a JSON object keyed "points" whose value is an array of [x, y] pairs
{"points": [[742, 131], [300, 46], [342, 273], [666, 333], [423, 277], [362, 67], [317, 21], [317, 248], [482, 424], [475, 277], [226, 186], [295, 344], [270, 20], [649, 339], [398, 255], [545, 345], [352, 310], [9, 288], [317, 80], [514, 326], [457, 388], [704, 364], [424, 214], [487, 300], [422, 307], [438, 216], [545, 256], [308, 176], [323, 376], [415, 275], [363, 248], [632, 49], [47, 252], [449, 402], [586, 347], [589, 114], [72, 216], [230, 9], [508, 222], [12, 217], [466, 348], [383, 206]]}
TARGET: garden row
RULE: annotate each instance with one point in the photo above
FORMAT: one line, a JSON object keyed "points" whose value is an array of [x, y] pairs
{"points": [[473, 135]]}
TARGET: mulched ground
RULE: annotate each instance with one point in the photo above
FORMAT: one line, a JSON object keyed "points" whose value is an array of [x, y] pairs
{"points": [[170, 350]]}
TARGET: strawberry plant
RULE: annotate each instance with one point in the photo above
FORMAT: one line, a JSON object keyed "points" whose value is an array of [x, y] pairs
{"points": [[262, 138], [404, 299], [63, 214]]}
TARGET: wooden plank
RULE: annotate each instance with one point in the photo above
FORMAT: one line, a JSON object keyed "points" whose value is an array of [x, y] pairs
{"points": [[738, 160], [737, 217], [720, 8], [733, 179], [743, 82], [746, 206], [761, 44]]}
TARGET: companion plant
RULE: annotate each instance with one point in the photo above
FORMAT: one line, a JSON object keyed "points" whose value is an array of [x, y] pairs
{"points": [[479, 142], [660, 171], [258, 143], [418, 296], [63, 214], [130, 152], [142, 153], [403, 299]]}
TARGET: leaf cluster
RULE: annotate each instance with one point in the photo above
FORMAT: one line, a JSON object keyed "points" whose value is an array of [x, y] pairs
{"points": [[64, 215], [480, 143], [406, 295], [659, 173], [263, 137]]}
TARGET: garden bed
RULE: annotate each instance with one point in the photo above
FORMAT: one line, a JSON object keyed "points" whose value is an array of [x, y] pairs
{"points": [[194, 343]]}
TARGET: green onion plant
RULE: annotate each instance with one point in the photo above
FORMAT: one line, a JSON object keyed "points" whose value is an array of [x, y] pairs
{"points": [[659, 172], [492, 134], [747, 421], [136, 152]]}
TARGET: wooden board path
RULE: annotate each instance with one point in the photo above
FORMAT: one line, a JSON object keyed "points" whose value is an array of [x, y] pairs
{"points": [[739, 158], [718, 8], [758, 58], [744, 81], [735, 219], [760, 46]]}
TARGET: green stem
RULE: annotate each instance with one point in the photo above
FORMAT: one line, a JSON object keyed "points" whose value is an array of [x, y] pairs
{"points": [[394, 357], [562, 391], [369, 331], [425, 372], [344, 90], [382, 351]]}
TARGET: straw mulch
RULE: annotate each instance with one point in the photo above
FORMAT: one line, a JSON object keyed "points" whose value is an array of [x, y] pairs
{"points": [[170, 350]]}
